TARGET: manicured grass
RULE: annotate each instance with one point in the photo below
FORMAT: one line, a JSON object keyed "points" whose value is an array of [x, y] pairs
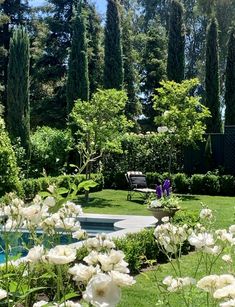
{"points": [[145, 292], [114, 202]]}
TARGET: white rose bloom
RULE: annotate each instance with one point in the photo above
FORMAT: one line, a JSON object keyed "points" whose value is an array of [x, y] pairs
{"points": [[108, 244], [40, 304], [165, 219], [227, 258], [167, 280], [201, 240], [92, 258], [101, 291], [11, 224], [116, 256], [121, 279], [70, 304], [3, 294], [215, 250], [230, 303], [35, 254], [37, 200], [105, 261], [225, 236], [79, 234], [206, 214], [93, 243], [61, 254], [82, 272], [208, 283], [162, 129], [34, 213], [232, 229], [49, 201], [175, 284], [225, 292]]}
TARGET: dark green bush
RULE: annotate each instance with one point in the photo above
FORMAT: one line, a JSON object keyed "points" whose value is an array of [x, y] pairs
{"points": [[191, 218], [33, 186], [181, 183], [196, 184], [49, 151], [138, 248], [227, 185], [211, 184], [9, 172]]}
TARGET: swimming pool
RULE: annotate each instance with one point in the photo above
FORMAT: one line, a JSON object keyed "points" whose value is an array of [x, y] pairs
{"points": [[18, 240]]}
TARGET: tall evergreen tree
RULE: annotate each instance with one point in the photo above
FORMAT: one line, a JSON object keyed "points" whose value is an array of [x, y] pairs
{"points": [[78, 79], [132, 108], [176, 43], [95, 50], [18, 114], [212, 78], [113, 62], [230, 81]]}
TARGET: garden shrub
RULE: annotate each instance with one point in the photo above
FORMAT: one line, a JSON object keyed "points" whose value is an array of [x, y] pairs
{"points": [[49, 151], [181, 183], [227, 185], [138, 247], [211, 184], [9, 171], [33, 186], [188, 217], [197, 184]]}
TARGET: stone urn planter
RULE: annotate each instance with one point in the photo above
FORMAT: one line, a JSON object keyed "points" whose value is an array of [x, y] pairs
{"points": [[159, 213]]}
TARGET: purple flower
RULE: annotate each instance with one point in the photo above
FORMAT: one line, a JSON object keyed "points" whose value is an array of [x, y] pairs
{"points": [[159, 191], [166, 187]]}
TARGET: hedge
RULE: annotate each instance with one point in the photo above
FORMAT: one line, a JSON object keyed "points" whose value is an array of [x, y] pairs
{"points": [[207, 184], [33, 186]]}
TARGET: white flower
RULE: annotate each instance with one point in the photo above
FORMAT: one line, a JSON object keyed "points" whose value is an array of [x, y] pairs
{"points": [[82, 272], [175, 284], [40, 304], [3, 294], [201, 240], [225, 292], [49, 201], [215, 250], [225, 236], [101, 291], [51, 188], [121, 279], [35, 254], [232, 229], [37, 200], [230, 303], [92, 258], [162, 129], [213, 282], [10, 225], [227, 258], [79, 234], [165, 219], [69, 304], [206, 214], [61, 254]]}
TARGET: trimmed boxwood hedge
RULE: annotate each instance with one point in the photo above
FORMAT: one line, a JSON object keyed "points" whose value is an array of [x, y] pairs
{"points": [[33, 186], [207, 184]]}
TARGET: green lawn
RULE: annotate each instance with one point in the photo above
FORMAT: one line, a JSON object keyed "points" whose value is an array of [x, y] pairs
{"points": [[114, 202], [144, 292]]}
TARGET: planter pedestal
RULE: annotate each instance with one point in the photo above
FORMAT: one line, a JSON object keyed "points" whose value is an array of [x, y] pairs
{"points": [[159, 213]]}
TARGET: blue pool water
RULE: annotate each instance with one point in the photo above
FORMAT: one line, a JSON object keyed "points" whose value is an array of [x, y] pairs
{"points": [[19, 240]]}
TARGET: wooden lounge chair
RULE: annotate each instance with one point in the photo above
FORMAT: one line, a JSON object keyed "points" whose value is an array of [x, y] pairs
{"points": [[137, 183]]}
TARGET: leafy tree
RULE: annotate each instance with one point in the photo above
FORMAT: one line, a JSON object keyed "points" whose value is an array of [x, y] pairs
{"points": [[230, 81], [78, 80], [99, 124], [113, 59], [212, 78], [18, 116], [9, 179], [180, 113], [176, 43]]}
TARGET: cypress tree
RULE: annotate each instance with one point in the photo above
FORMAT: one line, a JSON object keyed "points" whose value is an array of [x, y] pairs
{"points": [[113, 62], [212, 78], [78, 80], [132, 108], [230, 81], [176, 43], [18, 109]]}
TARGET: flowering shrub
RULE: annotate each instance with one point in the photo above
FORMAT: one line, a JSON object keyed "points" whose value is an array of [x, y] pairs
{"points": [[211, 246], [53, 271]]}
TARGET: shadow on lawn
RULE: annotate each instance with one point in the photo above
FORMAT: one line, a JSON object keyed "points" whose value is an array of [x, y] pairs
{"points": [[97, 202], [188, 197]]}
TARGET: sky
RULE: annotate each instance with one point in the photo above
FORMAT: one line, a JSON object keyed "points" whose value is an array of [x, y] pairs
{"points": [[100, 4]]}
